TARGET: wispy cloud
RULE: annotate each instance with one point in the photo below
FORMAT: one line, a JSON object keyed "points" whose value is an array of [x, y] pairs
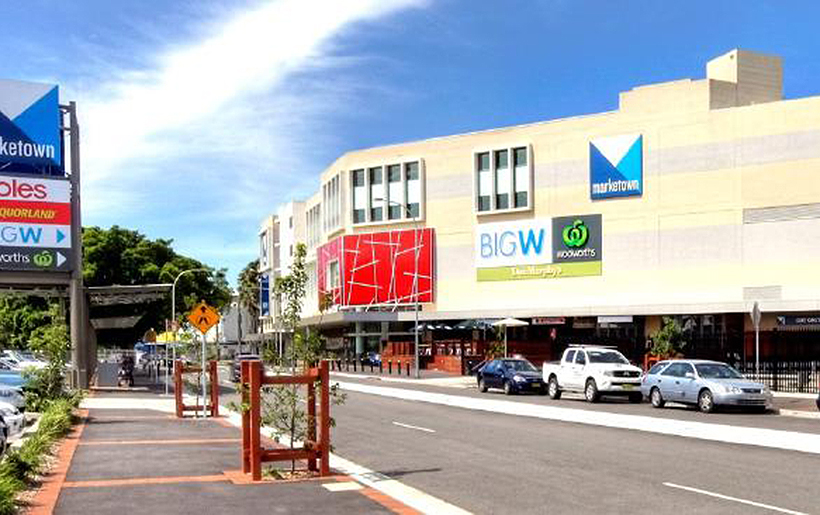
{"points": [[218, 122]]}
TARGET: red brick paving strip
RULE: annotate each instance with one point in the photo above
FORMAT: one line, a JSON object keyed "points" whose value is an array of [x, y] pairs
{"points": [[162, 442], [144, 481]]}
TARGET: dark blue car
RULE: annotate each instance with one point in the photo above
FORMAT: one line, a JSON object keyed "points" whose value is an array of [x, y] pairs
{"points": [[512, 376]]}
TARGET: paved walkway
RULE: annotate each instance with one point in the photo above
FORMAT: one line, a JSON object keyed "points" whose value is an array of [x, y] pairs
{"points": [[135, 460]]}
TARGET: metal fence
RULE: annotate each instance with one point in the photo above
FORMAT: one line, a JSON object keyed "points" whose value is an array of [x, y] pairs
{"points": [[786, 376]]}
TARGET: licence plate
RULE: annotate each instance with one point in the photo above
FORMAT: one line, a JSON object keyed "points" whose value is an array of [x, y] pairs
{"points": [[626, 386], [536, 385]]}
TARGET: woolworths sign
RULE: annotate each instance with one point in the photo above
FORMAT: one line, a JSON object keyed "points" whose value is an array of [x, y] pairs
{"points": [[567, 246]]}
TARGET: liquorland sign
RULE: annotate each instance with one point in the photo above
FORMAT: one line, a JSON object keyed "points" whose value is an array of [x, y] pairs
{"points": [[35, 224], [30, 139], [569, 246], [616, 166]]}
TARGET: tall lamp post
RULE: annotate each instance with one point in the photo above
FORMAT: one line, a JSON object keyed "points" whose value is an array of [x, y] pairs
{"points": [[174, 316], [410, 213]]}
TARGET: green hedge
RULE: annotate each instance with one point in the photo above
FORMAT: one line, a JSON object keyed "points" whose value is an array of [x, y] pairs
{"points": [[19, 466]]}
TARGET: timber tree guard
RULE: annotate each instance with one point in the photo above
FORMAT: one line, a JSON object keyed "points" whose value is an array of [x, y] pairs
{"points": [[179, 369], [253, 455]]}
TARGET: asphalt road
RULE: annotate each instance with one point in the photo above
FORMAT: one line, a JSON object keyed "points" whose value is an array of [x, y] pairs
{"points": [[493, 463], [489, 463]]}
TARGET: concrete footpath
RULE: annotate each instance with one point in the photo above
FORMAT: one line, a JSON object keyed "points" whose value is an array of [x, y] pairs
{"points": [[145, 461]]}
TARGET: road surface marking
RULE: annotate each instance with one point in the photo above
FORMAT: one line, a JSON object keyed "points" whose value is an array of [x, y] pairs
{"points": [[734, 499], [342, 487], [743, 435], [408, 426]]}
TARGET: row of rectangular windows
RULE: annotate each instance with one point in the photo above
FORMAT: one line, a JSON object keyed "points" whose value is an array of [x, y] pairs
{"points": [[401, 198]]}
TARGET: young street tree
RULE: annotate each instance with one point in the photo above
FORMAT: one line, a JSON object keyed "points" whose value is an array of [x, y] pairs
{"points": [[249, 292], [282, 410]]}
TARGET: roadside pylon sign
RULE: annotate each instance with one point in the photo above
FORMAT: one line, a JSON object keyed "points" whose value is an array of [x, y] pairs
{"points": [[203, 317]]}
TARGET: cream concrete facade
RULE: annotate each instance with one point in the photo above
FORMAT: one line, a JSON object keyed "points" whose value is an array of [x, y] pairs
{"points": [[729, 214]]}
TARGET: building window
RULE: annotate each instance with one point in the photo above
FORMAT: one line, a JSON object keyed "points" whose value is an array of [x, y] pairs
{"points": [[503, 179], [333, 275], [359, 197], [392, 192], [332, 200], [290, 222], [484, 181], [521, 177], [376, 194], [313, 222], [413, 189]]}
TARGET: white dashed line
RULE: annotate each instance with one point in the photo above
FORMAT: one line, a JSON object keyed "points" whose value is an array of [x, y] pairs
{"points": [[734, 499], [417, 428]]}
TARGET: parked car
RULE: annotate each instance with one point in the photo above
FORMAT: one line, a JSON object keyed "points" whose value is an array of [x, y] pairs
{"points": [[14, 421], [511, 375], [13, 395], [593, 371], [12, 378], [707, 384], [818, 396], [236, 368], [372, 358], [21, 362]]}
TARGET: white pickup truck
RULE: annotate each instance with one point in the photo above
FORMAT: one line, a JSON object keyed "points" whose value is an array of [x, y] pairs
{"points": [[595, 371]]}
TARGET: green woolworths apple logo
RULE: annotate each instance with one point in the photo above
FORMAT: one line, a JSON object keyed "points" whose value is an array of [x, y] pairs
{"points": [[576, 235], [43, 259]]}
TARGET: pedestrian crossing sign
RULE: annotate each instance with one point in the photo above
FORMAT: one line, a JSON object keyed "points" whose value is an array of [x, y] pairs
{"points": [[203, 317]]}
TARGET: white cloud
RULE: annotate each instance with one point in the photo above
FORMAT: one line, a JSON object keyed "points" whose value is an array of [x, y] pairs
{"points": [[217, 113]]}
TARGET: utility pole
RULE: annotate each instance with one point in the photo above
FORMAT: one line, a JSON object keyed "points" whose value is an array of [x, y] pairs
{"points": [[76, 291]]}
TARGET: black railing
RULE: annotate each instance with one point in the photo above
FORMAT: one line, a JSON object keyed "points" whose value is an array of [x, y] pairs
{"points": [[785, 376]]}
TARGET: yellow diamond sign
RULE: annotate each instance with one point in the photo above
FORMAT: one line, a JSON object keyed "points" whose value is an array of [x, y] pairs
{"points": [[203, 317]]}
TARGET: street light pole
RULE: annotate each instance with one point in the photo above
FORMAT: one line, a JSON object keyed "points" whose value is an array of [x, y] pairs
{"points": [[415, 280], [174, 318]]}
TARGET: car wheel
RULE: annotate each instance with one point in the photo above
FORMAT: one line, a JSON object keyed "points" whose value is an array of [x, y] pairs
{"points": [[553, 390], [482, 386], [508, 388], [656, 398], [635, 398], [706, 402], [591, 391]]}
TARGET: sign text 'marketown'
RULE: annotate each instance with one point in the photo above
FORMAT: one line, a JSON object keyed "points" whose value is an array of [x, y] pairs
{"points": [[22, 148]]}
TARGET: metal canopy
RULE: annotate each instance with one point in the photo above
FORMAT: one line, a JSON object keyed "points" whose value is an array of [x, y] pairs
{"points": [[120, 295]]}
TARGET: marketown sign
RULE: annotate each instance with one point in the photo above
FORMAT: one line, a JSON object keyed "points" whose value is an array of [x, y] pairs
{"points": [[569, 246], [30, 140], [616, 166]]}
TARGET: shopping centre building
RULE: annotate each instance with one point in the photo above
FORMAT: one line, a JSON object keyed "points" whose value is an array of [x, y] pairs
{"points": [[694, 199]]}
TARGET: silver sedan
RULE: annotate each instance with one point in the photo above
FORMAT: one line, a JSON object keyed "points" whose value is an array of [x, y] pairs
{"points": [[706, 384]]}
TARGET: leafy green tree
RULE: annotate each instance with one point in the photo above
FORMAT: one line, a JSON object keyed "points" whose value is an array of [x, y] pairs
{"points": [[282, 410], [119, 256], [249, 291], [47, 384], [668, 341], [19, 317]]}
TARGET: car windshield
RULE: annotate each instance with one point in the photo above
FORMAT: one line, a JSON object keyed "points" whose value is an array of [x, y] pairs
{"points": [[520, 365], [606, 356], [717, 371]]}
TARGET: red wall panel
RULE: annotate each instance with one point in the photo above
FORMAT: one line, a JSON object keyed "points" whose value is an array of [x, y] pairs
{"points": [[380, 268]]}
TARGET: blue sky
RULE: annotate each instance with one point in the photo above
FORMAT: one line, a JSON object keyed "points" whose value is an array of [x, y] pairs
{"points": [[199, 117]]}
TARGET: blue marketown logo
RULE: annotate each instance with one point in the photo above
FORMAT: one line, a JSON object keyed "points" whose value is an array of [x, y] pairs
{"points": [[30, 140], [616, 166]]}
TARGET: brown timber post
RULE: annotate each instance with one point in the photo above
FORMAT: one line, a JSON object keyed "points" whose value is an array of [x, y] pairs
{"points": [[214, 388], [324, 375], [178, 388], [311, 421], [246, 417], [255, 419]]}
